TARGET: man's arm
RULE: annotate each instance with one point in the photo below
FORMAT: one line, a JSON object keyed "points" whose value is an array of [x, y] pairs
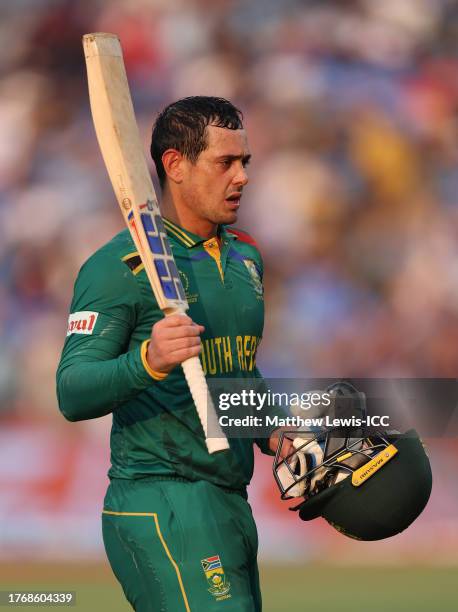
{"points": [[101, 370], [97, 371], [268, 444]]}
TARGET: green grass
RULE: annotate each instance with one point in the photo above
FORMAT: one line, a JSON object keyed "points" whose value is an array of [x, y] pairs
{"points": [[373, 589], [306, 588]]}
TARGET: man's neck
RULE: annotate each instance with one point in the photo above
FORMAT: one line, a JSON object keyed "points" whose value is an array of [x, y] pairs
{"points": [[185, 218]]}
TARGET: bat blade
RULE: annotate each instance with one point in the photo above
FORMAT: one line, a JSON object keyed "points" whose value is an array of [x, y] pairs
{"points": [[122, 151], [119, 140]]}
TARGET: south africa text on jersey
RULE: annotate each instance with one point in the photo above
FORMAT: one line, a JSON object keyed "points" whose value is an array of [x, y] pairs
{"points": [[225, 353]]}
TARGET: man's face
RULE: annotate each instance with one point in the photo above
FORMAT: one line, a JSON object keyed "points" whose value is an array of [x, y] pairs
{"points": [[212, 186]]}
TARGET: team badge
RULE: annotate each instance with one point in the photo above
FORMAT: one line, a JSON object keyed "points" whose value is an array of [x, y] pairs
{"points": [[216, 578], [255, 277]]}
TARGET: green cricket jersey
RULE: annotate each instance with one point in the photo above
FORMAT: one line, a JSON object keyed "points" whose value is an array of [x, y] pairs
{"points": [[103, 368]]}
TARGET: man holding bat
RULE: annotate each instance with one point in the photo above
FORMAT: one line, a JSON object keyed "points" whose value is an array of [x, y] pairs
{"points": [[177, 527]]}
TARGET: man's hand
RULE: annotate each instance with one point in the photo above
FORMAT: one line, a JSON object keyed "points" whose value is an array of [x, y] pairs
{"points": [[275, 439], [173, 340]]}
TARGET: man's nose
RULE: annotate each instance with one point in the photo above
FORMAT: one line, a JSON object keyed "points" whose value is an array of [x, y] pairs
{"points": [[241, 178]]}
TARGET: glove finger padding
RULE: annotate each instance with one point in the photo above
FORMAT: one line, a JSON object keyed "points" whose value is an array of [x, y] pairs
{"points": [[292, 471]]}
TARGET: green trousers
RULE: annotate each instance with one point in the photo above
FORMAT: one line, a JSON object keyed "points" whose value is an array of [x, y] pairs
{"points": [[178, 545]]}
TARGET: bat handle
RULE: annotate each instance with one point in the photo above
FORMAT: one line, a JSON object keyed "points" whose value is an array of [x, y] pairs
{"points": [[198, 386]]}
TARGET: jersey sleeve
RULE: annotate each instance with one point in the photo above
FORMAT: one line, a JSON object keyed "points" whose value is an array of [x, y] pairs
{"points": [[98, 369], [252, 249]]}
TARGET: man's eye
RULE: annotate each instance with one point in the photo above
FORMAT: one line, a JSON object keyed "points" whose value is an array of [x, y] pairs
{"points": [[226, 162]]}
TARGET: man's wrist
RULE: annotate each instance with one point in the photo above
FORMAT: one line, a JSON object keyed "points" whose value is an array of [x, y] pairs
{"points": [[144, 355]]}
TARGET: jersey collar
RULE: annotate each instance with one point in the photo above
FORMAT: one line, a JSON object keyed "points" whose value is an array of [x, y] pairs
{"points": [[188, 239]]}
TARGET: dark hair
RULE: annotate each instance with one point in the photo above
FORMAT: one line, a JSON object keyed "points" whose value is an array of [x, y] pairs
{"points": [[182, 126]]}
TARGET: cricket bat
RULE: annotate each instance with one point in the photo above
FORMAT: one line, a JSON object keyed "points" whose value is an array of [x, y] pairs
{"points": [[119, 140]]}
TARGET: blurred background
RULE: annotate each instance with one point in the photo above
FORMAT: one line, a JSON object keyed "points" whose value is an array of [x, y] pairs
{"points": [[352, 115]]}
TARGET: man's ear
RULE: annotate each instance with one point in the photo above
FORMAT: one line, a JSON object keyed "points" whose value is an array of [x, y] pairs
{"points": [[173, 162]]}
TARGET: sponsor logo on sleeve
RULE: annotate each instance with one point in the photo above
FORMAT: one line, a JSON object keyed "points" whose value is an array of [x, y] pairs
{"points": [[82, 322]]}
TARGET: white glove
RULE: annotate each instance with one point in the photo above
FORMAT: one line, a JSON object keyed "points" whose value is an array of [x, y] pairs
{"points": [[308, 455]]}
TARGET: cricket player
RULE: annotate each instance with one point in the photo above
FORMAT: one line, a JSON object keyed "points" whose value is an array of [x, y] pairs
{"points": [[177, 527]]}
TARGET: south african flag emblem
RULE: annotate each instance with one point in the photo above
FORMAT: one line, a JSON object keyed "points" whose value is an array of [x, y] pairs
{"points": [[216, 578]]}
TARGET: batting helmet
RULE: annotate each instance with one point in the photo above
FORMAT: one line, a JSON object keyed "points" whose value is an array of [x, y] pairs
{"points": [[368, 487]]}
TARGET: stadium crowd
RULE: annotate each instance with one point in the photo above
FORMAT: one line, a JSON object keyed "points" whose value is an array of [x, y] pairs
{"points": [[352, 116], [351, 111]]}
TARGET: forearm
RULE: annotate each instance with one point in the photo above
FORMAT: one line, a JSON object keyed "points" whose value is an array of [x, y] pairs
{"points": [[268, 443]]}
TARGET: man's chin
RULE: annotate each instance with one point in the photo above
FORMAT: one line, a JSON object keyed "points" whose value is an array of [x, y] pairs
{"points": [[229, 218]]}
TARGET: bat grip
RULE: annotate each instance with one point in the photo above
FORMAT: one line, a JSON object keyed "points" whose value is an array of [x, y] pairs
{"points": [[198, 386]]}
